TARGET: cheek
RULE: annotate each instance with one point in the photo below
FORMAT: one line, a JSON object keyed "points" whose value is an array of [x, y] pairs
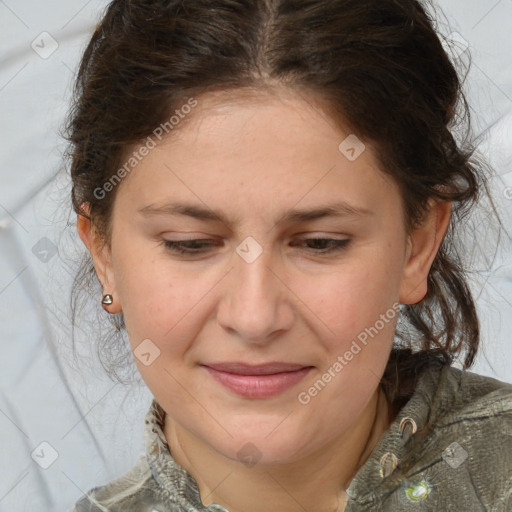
{"points": [[146, 290], [163, 303], [354, 296]]}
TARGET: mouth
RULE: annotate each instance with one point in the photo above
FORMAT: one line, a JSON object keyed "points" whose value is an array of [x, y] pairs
{"points": [[257, 381]]}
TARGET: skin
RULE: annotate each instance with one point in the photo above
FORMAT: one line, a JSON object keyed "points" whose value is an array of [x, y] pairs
{"points": [[253, 158]]}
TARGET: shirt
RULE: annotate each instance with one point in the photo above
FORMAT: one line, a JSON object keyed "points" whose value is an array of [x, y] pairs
{"points": [[448, 449]]}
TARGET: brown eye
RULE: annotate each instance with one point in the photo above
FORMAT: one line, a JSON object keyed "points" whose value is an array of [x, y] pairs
{"points": [[325, 245], [188, 246]]}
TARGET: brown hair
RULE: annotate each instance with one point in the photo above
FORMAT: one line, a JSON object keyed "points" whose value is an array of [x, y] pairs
{"points": [[379, 64]]}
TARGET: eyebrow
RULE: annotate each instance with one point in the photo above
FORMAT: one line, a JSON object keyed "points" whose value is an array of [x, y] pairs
{"points": [[339, 209]]}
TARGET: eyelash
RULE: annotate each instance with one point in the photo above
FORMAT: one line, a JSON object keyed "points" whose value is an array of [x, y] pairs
{"points": [[337, 245]]}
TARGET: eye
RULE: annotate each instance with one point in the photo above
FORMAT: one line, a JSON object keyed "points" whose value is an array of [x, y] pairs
{"points": [[325, 245], [188, 246]]}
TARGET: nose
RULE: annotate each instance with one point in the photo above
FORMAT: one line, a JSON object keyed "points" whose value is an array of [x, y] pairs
{"points": [[255, 302]]}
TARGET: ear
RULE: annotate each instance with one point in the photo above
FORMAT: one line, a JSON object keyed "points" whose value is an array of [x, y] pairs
{"points": [[423, 244], [102, 258]]}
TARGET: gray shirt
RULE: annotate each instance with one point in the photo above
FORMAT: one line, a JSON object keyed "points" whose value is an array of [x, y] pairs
{"points": [[449, 449]]}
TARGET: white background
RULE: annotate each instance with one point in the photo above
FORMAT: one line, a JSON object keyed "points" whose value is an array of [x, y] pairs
{"points": [[93, 427]]}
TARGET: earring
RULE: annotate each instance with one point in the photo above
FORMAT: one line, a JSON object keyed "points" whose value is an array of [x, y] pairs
{"points": [[107, 300]]}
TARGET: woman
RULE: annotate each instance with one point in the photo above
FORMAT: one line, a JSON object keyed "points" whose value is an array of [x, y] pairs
{"points": [[269, 192]]}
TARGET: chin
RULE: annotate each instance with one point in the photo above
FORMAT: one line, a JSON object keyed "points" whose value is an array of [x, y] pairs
{"points": [[264, 449]]}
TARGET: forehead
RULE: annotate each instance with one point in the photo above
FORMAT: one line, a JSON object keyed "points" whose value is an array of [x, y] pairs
{"points": [[253, 148], [282, 104]]}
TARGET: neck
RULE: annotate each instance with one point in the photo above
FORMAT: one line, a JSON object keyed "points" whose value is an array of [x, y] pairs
{"points": [[317, 482]]}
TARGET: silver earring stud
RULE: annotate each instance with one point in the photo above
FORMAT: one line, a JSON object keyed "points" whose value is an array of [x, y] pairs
{"points": [[107, 300]]}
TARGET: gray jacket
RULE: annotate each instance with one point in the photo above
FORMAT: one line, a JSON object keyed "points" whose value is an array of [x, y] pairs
{"points": [[460, 460]]}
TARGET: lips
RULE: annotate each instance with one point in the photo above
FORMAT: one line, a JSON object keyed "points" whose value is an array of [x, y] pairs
{"points": [[257, 381], [261, 369]]}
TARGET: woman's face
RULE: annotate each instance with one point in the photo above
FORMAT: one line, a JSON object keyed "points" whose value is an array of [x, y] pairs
{"points": [[257, 180]]}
